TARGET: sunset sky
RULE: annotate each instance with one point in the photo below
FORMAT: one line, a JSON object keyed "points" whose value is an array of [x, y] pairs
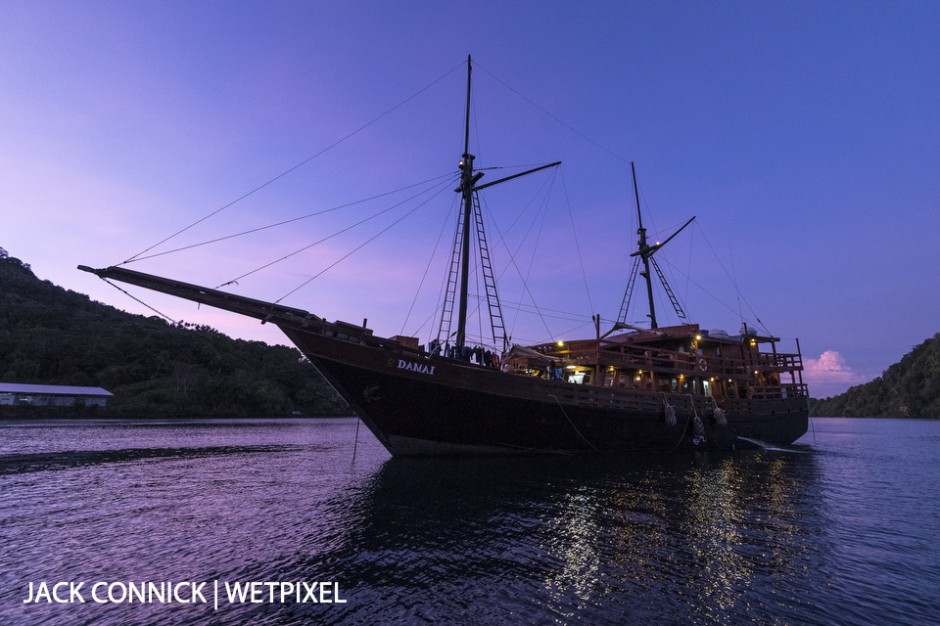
{"points": [[805, 137]]}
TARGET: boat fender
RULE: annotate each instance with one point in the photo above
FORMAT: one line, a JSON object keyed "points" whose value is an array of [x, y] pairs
{"points": [[698, 428], [718, 413], [669, 413], [720, 417]]}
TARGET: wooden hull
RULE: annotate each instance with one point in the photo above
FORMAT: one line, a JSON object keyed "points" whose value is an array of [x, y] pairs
{"points": [[420, 405]]}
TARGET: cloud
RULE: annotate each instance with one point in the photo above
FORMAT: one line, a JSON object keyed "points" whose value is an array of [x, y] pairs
{"points": [[830, 375]]}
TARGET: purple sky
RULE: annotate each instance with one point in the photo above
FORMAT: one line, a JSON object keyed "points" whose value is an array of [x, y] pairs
{"points": [[804, 135]]}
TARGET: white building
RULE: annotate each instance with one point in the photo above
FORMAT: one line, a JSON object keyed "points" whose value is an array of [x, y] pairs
{"points": [[14, 394]]}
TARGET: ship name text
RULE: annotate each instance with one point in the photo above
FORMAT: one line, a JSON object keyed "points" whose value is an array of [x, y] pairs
{"points": [[420, 368]]}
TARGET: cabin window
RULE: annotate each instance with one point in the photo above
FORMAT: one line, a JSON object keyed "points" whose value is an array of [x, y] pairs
{"points": [[642, 380], [707, 387]]}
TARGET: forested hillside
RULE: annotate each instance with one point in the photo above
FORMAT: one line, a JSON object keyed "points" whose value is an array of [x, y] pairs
{"points": [[909, 388], [49, 335]]}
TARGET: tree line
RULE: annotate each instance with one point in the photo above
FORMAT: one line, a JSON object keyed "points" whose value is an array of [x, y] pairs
{"points": [[50, 335], [909, 388]]}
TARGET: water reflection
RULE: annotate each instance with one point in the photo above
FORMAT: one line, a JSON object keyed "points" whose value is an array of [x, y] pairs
{"points": [[711, 539], [579, 538]]}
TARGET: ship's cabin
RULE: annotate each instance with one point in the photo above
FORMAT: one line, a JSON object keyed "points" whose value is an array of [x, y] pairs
{"points": [[677, 359]]}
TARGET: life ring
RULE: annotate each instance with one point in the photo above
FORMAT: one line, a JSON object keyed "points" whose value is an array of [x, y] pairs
{"points": [[703, 365]]}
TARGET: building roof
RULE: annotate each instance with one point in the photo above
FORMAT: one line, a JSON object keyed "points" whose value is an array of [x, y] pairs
{"points": [[53, 390]]}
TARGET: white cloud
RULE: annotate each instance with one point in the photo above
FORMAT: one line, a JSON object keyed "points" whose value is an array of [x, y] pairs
{"points": [[830, 375]]}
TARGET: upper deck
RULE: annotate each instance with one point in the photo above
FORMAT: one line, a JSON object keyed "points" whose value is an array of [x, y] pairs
{"points": [[674, 359]]}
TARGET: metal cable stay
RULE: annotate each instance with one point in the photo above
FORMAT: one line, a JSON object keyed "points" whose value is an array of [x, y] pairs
{"points": [[296, 167], [470, 230], [677, 305], [424, 192]]}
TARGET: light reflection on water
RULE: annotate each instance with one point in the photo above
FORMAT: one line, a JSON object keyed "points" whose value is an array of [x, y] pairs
{"points": [[765, 537]]}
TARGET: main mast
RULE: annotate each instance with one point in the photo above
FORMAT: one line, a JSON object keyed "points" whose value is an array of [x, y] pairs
{"points": [[467, 180], [644, 251], [470, 211]]}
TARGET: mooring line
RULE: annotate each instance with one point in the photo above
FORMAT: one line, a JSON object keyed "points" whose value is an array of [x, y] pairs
{"points": [[684, 428], [565, 413], [356, 442]]}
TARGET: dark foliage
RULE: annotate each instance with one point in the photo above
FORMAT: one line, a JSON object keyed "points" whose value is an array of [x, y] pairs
{"points": [[50, 335], [909, 388]]}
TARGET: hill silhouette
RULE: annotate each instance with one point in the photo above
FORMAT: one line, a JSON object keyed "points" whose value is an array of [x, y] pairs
{"points": [[50, 335], [909, 388]]}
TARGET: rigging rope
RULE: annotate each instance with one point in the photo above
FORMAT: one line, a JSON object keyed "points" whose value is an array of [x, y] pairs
{"points": [[740, 296], [525, 284], [298, 166], [205, 337], [577, 245], [359, 247], [449, 176], [424, 276], [441, 186], [682, 433], [557, 119], [139, 301], [565, 413], [539, 217], [734, 282]]}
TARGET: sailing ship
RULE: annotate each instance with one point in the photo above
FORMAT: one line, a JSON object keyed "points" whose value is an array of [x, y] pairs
{"points": [[658, 390]]}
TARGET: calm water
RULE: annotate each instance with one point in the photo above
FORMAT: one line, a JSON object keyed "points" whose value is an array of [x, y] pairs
{"points": [[840, 529]]}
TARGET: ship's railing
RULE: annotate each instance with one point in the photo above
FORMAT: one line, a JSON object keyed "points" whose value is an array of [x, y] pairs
{"points": [[764, 385], [779, 362], [785, 390], [688, 363], [639, 402]]}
